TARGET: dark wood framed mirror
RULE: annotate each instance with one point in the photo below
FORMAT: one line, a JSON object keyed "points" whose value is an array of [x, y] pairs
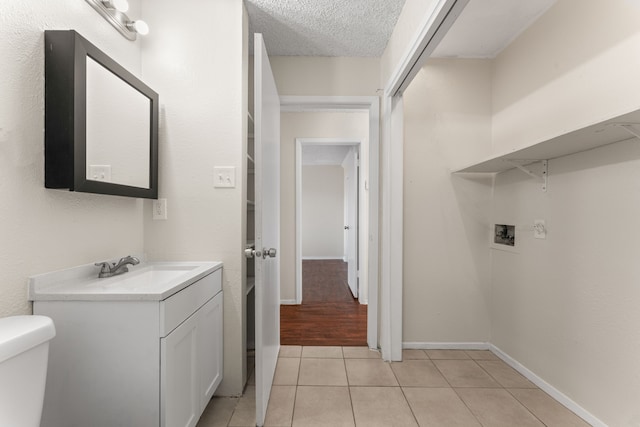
{"points": [[101, 122]]}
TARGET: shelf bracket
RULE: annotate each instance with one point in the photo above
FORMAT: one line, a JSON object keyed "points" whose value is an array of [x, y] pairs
{"points": [[543, 176]]}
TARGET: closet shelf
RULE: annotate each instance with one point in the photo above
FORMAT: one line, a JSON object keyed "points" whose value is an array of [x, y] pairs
{"points": [[607, 132], [251, 283]]}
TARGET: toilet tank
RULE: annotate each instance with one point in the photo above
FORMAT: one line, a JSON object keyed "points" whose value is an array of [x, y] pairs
{"points": [[24, 349]]}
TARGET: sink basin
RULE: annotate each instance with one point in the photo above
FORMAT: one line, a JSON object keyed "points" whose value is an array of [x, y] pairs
{"points": [[147, 277], [145, 281]]}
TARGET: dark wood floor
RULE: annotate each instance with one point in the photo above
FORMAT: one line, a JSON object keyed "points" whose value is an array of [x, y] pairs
{"points": [[328, 315]]}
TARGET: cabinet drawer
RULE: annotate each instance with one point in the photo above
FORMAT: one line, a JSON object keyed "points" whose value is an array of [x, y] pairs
{"points": [[178, 307]]}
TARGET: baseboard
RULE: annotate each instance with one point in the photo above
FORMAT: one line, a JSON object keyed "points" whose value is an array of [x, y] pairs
{"points": [[446, 345], [548, 388], [288, 302], [318, 258]]}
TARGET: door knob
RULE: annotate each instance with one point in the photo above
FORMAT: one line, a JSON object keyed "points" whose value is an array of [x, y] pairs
{"points": [[268, 253], [346, 227], [250, 253]]}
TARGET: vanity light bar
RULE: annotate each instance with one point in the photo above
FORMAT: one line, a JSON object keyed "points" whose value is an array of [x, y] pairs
{"points": [[114, 12]]}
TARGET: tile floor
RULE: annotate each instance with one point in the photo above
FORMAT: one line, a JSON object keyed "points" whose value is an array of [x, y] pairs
{"points": [[352, 386]]}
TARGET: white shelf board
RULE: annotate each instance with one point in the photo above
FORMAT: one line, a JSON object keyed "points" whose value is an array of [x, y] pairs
{"points": [[251, 283], [597, 135]]}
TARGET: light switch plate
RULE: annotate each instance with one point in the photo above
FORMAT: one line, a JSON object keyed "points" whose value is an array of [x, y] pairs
{"points": [[539, 229], [224, 176]]}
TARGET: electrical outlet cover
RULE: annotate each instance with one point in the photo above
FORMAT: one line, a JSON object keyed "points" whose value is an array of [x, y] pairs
{"points": [[160, 209]]}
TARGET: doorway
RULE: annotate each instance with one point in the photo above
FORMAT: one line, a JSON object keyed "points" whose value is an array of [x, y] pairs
{"points": [[328, 309], [368, 133]]}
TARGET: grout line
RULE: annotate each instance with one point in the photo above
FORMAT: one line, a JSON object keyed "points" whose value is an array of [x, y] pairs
{"points": [[409, 405]]}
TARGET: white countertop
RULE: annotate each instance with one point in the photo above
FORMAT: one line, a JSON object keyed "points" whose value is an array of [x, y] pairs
{"points": [[152, 281]]}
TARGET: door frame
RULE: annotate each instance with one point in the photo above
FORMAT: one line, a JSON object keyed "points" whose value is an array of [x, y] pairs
{"points": [[300, 144], [371, 104], [430, 31]]}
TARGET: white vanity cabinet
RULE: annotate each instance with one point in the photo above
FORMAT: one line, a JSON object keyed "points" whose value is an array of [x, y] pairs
{"points": [[133, 356]]}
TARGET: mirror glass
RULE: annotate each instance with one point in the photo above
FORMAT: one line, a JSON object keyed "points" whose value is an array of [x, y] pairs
{"points": [[118, 129]]}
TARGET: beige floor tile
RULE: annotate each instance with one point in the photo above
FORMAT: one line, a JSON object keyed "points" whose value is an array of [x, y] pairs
{"points": [[497, 408], [465, 373], [286, 371], [447, 354], [505, 374], [218, 412], [381, 406], [244, 414], [439, 407], [290, 351], [280, 409], [547, 409], [418, 373], [322, 372], [413, 354], [360, 353], [328, 352], [322, 406], [370, 372], [482, 355]]}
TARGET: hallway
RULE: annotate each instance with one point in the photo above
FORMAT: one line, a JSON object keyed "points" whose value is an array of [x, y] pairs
{"points": [[328, 315]]}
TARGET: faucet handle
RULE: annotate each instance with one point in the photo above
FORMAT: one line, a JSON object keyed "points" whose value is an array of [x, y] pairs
{"points": [[106, 266]]}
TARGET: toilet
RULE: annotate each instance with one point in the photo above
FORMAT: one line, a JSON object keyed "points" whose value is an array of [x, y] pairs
{"points": [[24, 349]]}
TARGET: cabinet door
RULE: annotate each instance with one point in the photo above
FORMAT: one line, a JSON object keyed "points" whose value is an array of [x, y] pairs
{"points": [[210, 348], [179, 391]]}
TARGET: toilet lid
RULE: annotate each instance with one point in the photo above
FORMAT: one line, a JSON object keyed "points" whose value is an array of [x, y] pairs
{"points": [[21, 333]]}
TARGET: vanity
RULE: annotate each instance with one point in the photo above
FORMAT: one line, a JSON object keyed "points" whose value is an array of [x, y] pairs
{"points": [[142, 348]]}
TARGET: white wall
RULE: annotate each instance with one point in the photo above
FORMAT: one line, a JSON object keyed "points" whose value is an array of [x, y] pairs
{"points": [[351, 126], [44, 230], [322, 212], [326, 76], [414, 12], [447, 120], [196, 60], [578, 58], [567, 307]]}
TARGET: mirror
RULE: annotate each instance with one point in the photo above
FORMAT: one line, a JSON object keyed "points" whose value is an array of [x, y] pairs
{"points": [[101, 122]]}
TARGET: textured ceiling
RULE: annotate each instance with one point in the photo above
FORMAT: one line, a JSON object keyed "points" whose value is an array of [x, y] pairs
{"points": [[324, 27]]}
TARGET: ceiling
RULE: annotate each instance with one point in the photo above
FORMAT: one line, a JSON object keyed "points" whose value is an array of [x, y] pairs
{"points": [[324, 27], [363, 27], [486, 27]]}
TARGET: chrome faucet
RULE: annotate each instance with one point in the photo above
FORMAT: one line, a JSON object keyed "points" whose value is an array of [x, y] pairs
{"points": [[109, 269]]}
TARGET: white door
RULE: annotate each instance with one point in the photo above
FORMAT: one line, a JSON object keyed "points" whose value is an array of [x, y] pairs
{"points": [[351, 226], [267, 227]]}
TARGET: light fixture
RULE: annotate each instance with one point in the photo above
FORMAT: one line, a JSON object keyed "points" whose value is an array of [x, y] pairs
{"points": [[114, 12], [121, 6]]}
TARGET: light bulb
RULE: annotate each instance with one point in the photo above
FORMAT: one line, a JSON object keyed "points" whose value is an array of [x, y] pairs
{"points": [[140, 27], [120, 5]]}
